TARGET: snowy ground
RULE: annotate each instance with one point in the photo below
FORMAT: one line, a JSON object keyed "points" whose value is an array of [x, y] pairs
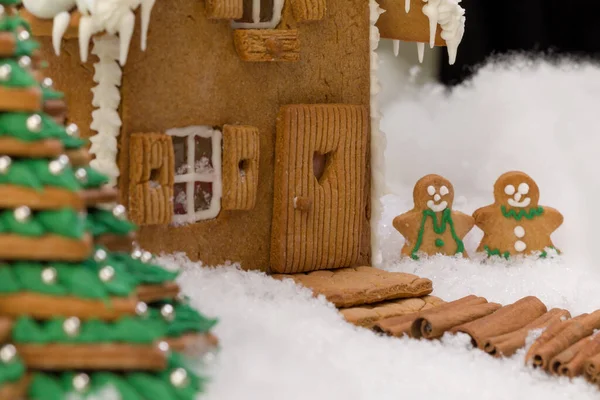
{"points": [[279, 343]]}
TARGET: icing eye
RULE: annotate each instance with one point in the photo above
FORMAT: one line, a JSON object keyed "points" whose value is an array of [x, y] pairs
{"points": [[444, 190], [523, 188], [509, 190], [431, 190]]}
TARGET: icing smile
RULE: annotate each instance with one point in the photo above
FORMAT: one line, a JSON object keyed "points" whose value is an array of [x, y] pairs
{"points": [[436, 205], [518, 199]]}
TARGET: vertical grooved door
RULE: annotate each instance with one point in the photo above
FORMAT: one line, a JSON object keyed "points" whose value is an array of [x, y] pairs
{"points": [[320, 181]]}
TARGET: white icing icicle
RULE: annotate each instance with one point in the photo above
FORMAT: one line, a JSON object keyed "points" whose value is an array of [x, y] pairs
{"points": [[107, 99], [112, 16], [451, 17], [407, 6], [396, 47], [421, 51]]}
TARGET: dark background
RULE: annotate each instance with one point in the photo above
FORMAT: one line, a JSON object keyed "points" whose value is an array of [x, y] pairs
{"points": [[567, 27]]}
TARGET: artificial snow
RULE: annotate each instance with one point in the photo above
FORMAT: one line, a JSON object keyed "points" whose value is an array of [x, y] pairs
{"points": [[278, 342]]}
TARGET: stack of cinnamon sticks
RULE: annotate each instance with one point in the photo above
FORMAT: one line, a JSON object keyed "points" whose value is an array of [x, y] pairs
{"points": [[566, 347]]}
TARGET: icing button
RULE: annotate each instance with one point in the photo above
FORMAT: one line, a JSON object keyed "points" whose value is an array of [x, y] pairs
{"points": [[519, 231], [520, 246]]}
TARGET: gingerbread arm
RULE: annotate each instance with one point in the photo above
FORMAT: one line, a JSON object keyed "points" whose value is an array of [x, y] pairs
{"points": [[463, 223], [407, 223], [482, 215], [552, 218]]}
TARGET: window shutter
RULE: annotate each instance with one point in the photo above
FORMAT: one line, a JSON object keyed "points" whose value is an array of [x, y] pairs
{"points": [[151, 178], [240, 167], [309, 10], [224, 9]]}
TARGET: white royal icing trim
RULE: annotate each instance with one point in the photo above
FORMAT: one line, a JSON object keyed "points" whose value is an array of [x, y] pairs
{"points": [[378, 142], [107, 99]]}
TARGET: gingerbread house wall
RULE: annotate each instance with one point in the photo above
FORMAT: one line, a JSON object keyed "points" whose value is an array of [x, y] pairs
{"points": [[191, 75]]}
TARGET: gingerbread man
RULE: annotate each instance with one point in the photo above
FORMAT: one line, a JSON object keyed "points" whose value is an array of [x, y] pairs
{"points": [[515, 224], [431, 227]]}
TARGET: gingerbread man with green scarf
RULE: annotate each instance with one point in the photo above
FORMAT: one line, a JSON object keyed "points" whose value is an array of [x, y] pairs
{"points": [[432, 227], [515, 224]]}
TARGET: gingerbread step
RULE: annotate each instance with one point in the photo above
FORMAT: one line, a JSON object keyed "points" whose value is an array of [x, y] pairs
{"points": [[196, 342], [48, 247], [41, 306], [152, 293], [15, 390], [117, 243], [92, 197], [349, 287], [79, 157], [111, 356], [20, 99], [369, 314], [13, 147], [49, 198]]}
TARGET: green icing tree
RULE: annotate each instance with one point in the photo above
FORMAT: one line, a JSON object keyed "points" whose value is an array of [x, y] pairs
{"points": [[79, 293]]}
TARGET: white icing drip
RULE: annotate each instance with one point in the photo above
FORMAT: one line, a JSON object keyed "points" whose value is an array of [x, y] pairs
{"points": [[451, 17], [421, 51], [107, 99], [378, 142], [407, 6], [396, 44]]}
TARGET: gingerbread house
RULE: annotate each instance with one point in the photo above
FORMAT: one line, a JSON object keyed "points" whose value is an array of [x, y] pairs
{"points": [[247, 129]]}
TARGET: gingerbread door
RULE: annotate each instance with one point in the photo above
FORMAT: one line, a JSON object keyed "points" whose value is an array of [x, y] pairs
{"points": [[320, 183]]}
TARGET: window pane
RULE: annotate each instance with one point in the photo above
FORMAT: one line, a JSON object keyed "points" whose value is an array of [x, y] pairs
{"points": [[266, 10], [202, 195], [180, 149], [203, 155], [247, 16], [180, 199]]}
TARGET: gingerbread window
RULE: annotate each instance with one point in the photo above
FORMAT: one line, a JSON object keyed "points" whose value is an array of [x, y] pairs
{"points": [[151, 178], [260, 14], [197, 173], [240, 167]]}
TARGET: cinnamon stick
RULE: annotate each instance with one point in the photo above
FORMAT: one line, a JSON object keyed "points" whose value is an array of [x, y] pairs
{"points": [[575, 367], [591, 367], [399, 326], [506, 345], [577, 329], [567, 355], [435, 325], [549, 334], [506, 319]]}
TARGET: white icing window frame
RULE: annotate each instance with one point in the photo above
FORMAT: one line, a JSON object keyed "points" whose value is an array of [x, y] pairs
{"points": [[190, 178], [256, 24]]}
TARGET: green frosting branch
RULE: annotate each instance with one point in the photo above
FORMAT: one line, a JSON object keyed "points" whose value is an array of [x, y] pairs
{"points": [[130, 386], [14, 124], [35, 174], [79, 280], [125, 330], [11, 371], [19, 77], [186, 320], [145, 273], [65, 222], [101, 222], [94, 179]]}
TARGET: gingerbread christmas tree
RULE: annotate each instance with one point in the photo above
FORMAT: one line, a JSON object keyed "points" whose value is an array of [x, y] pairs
{"points": [[82, 310]]}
